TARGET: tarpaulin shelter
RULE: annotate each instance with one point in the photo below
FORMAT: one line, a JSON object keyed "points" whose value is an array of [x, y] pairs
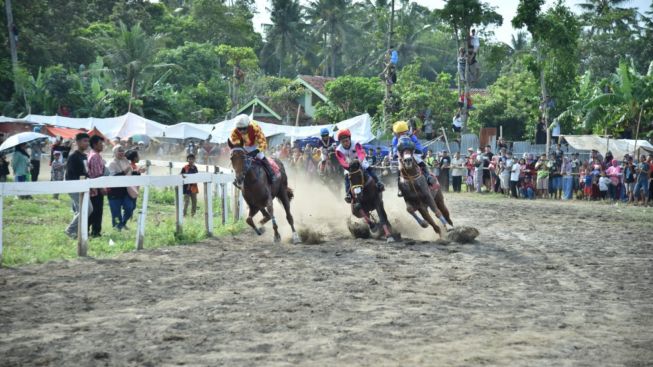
{"points": [[360, 127], [187, 130], [618, 147], [123, 126], [68, 133]]}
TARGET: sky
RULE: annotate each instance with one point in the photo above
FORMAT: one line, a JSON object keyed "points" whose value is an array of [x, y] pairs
{"points": [[506, 8]]}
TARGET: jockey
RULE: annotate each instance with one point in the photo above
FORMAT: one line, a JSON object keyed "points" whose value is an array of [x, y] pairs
{"points": [[345, 152], [248, 135], [326, 144], [401, 130]]}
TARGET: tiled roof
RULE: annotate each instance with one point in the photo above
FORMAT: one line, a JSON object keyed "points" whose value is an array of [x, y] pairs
{"points": [[317, 82]]}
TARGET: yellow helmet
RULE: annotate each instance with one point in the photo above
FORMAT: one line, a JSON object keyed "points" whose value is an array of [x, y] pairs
{"points": [[400, 127]]}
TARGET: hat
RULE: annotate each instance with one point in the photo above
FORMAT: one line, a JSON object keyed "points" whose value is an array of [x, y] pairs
{"points": [[56, 152]]}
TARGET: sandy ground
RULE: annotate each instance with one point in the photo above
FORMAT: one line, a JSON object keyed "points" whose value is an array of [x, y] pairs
{"points": [[546, 284]]}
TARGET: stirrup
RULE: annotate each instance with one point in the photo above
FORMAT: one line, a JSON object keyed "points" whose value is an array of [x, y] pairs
{"points": [[348, 199], [400, 194]]}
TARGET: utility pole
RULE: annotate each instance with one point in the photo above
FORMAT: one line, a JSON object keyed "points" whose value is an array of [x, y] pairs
{"points": [[12, 39], [388, 87]]}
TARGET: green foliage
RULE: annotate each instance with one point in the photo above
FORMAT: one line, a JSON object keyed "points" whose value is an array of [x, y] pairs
{"points": [[350, 96]]}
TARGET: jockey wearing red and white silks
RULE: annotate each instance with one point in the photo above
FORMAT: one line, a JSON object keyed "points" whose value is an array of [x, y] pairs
{"points": [[347, 152]]}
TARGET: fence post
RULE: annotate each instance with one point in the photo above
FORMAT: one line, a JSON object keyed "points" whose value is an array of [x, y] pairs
{"points": [[179, 209], [82, 224], [170, 168], [140, 231], [235, 204], [208, 205], [223, 197]]}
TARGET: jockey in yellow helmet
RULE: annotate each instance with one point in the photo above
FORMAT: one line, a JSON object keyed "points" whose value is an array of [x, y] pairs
{"points": [[248, 135], [402, 132]]}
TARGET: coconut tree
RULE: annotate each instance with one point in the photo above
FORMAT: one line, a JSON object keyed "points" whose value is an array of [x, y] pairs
{"points": [[286, 37], [330, 19]]}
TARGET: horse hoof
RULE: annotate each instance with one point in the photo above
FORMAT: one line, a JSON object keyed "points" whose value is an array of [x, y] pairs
{"points": [[295, 239], [424, 225], [277, 238], [260, 231], [390, 239]]}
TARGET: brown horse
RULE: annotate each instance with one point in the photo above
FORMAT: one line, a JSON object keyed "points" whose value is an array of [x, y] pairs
{"points": [[419, 196], [366, 198], [259, 193]]}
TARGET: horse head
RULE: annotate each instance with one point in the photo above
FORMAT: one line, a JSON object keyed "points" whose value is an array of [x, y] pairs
{"points": [[239, 162], [356, 178], [407, 159]]}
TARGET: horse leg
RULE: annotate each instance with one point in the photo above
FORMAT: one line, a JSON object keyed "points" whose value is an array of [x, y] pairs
{"points": [[270, 211], [383, 220], [252, 212], [426, 215], [266, 217], [439, 201], [411, 210], [285, 200]]}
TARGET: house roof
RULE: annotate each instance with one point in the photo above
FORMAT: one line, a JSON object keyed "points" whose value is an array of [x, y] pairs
{"points": [[315, 84], [259, 102]]}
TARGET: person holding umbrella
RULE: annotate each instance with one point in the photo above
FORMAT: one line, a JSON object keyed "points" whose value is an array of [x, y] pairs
{"points": [[20, 165]]}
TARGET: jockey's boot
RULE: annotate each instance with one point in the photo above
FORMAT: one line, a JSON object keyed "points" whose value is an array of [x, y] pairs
{"points": [[425, 172], [348, 198], [379, 184], [268, 170]]}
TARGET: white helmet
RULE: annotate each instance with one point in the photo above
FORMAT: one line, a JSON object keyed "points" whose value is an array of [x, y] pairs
{"points": [[242, 121]]}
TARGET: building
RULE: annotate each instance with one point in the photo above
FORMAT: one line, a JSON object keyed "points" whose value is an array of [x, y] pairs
{"points": [[299, 112]]}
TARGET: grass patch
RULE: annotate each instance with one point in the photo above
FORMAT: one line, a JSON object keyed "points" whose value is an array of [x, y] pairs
{"points": [[34, 229]]}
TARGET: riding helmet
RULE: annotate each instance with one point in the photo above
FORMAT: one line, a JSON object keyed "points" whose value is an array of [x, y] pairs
{"points": [[400, 127]]}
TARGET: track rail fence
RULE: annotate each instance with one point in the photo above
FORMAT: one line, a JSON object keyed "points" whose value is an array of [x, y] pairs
{"points": [[217, 181]]}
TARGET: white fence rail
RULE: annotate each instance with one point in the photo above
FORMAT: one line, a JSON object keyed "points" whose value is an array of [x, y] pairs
{"points": [[211, 183]]}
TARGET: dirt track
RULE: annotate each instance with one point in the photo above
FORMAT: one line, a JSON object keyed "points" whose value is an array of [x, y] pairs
{"points": [[551, 285]]}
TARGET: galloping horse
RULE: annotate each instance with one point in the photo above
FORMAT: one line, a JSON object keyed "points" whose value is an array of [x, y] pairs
{"points": [[259, 193], [418, 195], [330, 172], [366, 198]]}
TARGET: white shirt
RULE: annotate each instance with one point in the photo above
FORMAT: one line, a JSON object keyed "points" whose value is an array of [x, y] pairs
{"points": [[455, 170], [457, 121], [603, 183], [515, 171], [476, 43]]}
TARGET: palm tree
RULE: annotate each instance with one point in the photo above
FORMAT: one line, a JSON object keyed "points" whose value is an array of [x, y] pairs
{"points": [[519, 42], [130, 54], [330, 17], [606, 16], [286, 36]]}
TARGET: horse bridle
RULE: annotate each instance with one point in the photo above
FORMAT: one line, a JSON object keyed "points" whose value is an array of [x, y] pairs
{"points": [[406, 176], [247, 161]]}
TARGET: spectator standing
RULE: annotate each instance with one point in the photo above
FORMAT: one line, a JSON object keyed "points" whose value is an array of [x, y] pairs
{"points": [[506, 172], [190, 190], [575, 171], [120, 204], [486, 159], [20, 163], [445, 164], [471, 169], [555, 177], [604, 183], [35, 160], [567, 179], [629, 177], [4, 168], [641, 187], [457, 171], [96, 168], [57, 168], [515, 173], [542, 177], [76, 168], [429, 132], [614, 174]]}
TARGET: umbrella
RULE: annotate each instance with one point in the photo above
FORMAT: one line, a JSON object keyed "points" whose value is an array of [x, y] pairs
{"points": [[18, 139]]}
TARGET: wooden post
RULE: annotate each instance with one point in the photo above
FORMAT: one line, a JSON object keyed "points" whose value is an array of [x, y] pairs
{"points": [[235, 204], [179, 209], [223, 197], [82, 224], [140, 231], [170, 168], [634, 150], [208, 204], [446, 140]]}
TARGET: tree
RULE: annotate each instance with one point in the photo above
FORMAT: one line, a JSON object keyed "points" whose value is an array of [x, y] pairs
{"points": [[330, 19], [241, 59], [555, 35], [286, 36], [461, 15], [348, 97]]}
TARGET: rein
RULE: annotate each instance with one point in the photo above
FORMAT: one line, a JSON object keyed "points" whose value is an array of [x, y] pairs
{"points": [[357, 172], [409, 178]]}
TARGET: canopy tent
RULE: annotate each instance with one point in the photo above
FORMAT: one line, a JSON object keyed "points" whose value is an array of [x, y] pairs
{"points": [[187, 130], [123, 126], [618, 147], [360, 127], [4, 118], [67, 133]]}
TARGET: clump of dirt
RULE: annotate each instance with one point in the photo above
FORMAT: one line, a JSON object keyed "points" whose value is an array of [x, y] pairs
{"points": [[358, 230], [310, 237], [462, 234]]}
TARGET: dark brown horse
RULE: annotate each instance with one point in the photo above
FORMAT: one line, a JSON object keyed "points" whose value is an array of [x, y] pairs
{"points": [[419, 196], [367, 198], [259, 193]]}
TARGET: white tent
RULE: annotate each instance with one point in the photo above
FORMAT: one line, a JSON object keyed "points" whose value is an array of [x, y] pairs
{"points": [[187, 130], [618, 147], [360, 126], [123, 126]]}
